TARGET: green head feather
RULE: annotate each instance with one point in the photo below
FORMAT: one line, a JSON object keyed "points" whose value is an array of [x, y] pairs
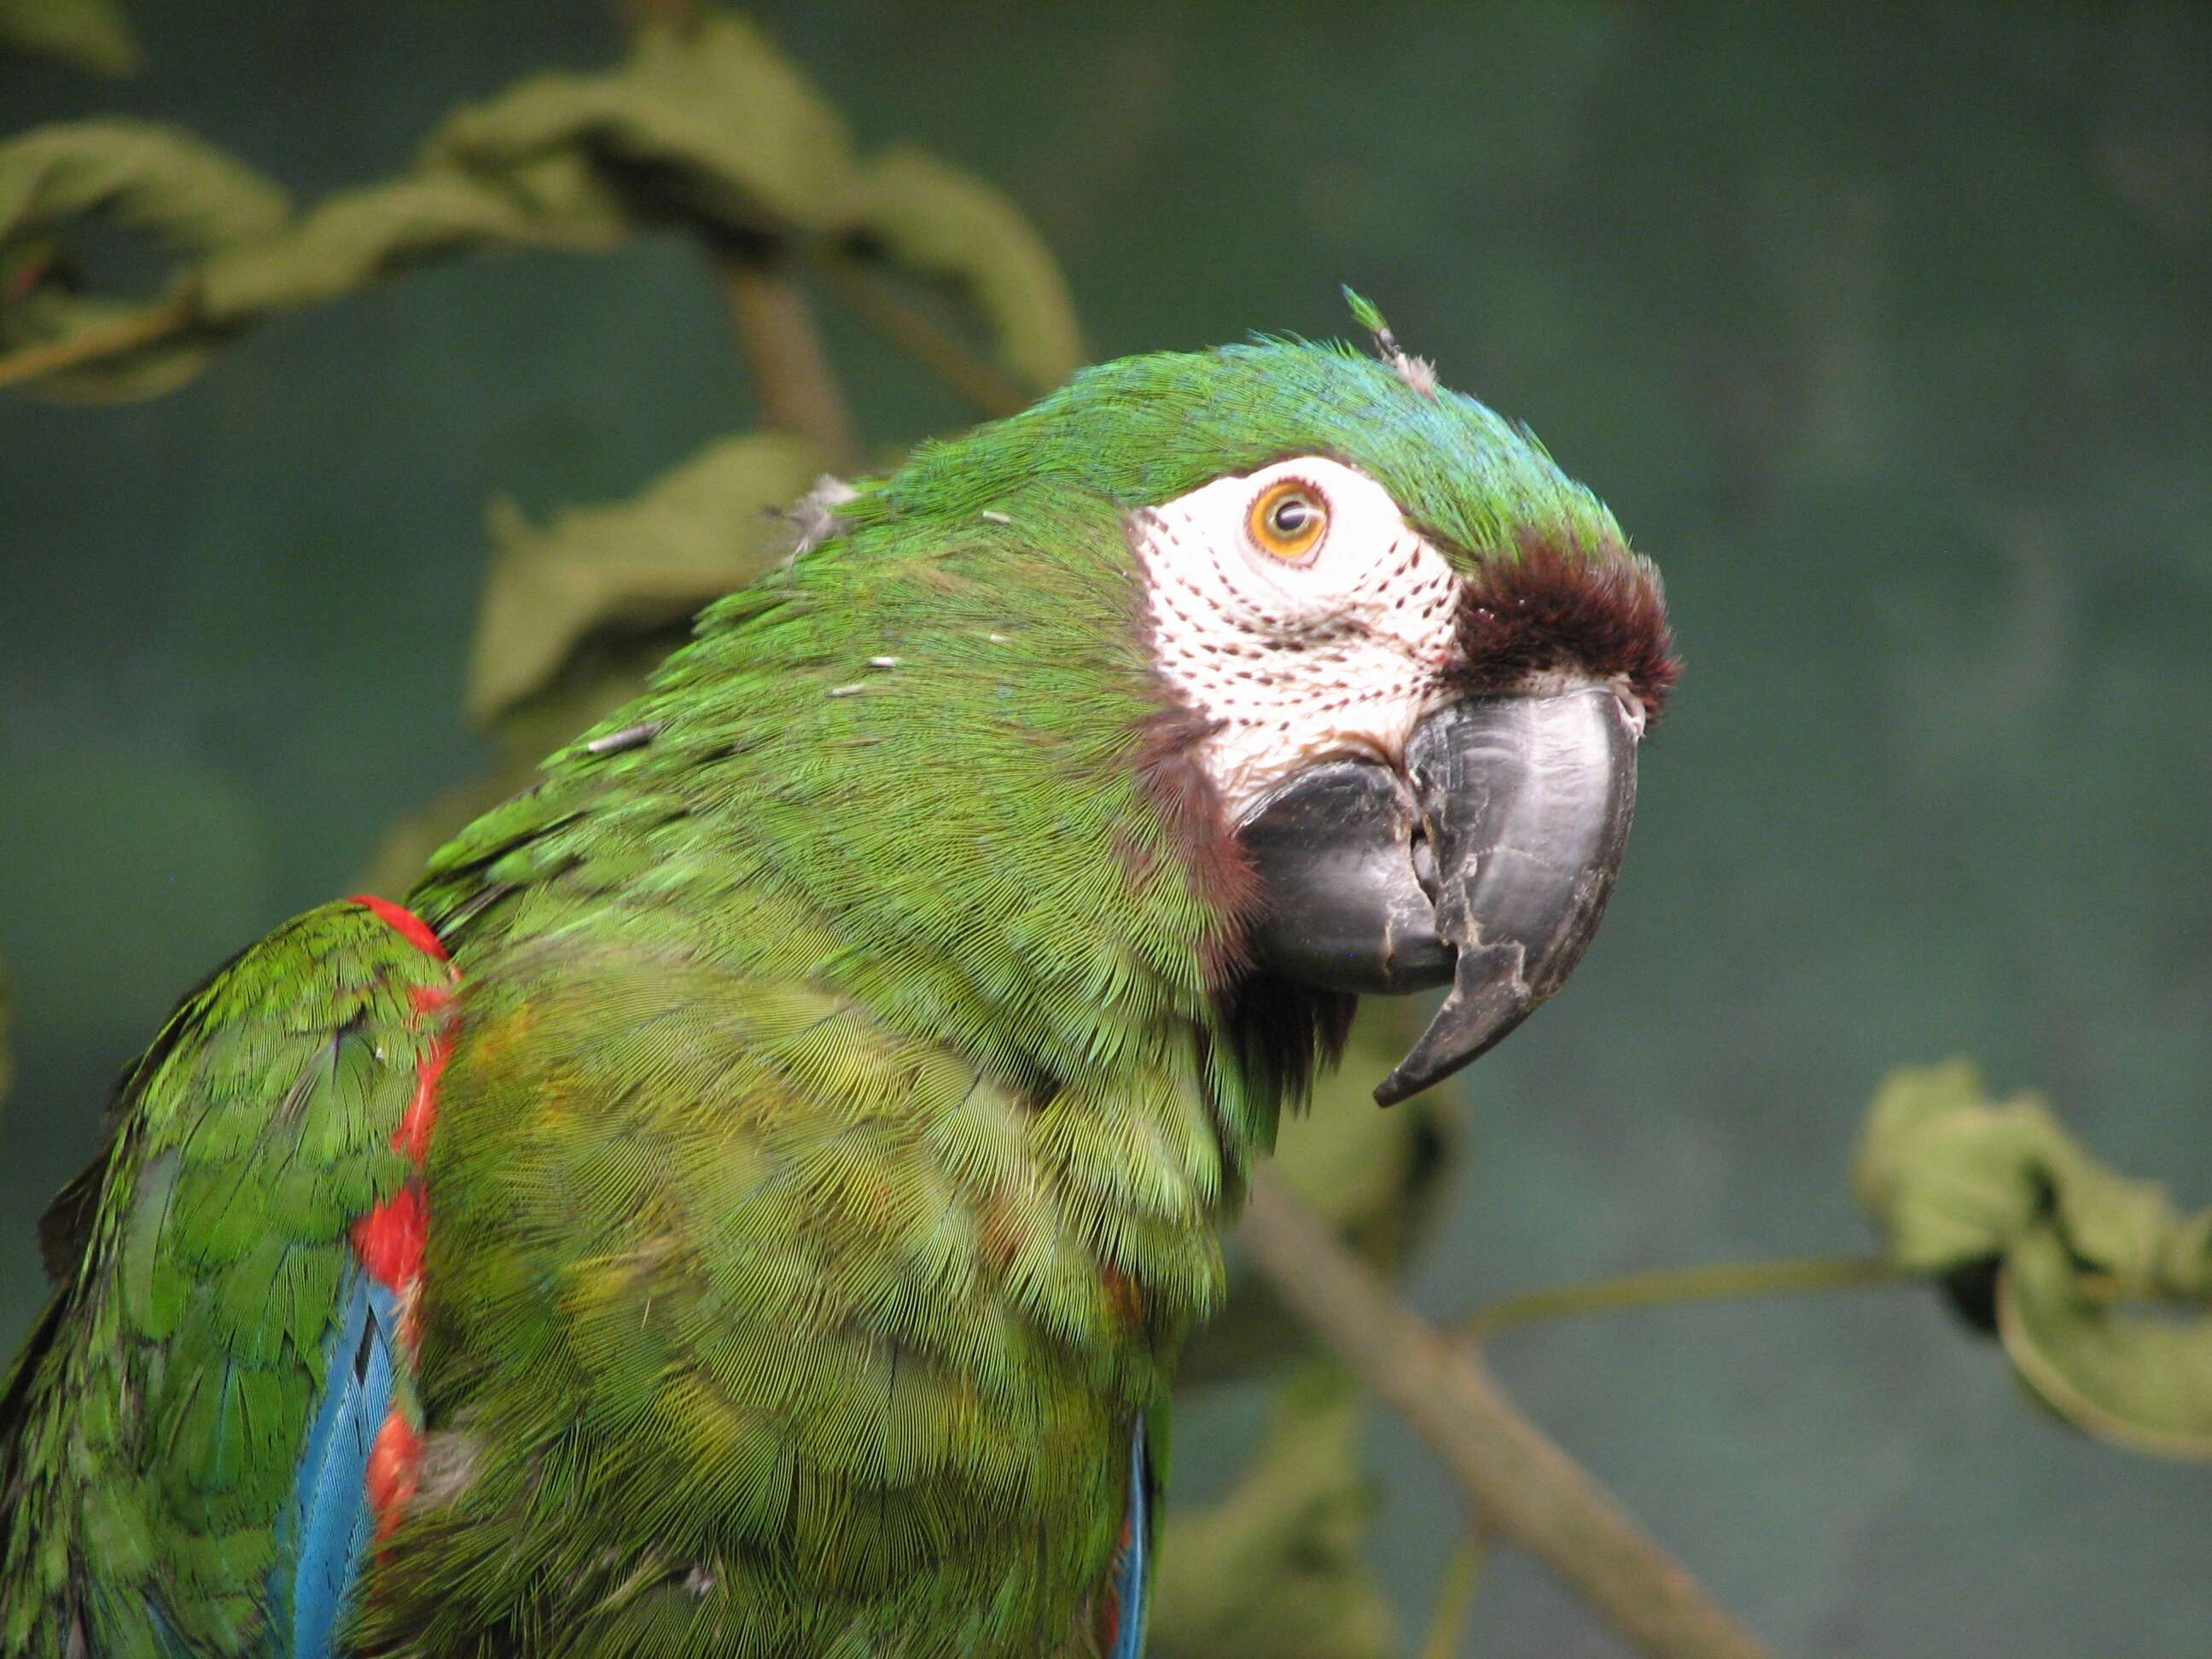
{"points": [[1145, 429]]}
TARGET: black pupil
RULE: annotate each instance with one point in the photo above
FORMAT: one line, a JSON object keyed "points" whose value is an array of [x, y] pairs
{"points": [[1291, 514]]}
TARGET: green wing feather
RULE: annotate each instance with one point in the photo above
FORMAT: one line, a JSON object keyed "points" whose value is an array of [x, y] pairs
{"points": [[150, 1430]]}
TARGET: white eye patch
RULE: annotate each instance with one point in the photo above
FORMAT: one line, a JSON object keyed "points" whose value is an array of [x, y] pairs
{"points": [[1295, 651]]}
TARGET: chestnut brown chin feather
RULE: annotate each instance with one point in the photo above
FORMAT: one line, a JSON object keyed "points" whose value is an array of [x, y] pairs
{"points": [[1174, 779], [1598, 609]]}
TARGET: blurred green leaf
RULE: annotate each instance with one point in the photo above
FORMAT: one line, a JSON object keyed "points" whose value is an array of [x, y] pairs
{"points": [[2101, 1288], [152, 178], [711, 120], [712, 123], [707, 124], [2142, 1380], [711, 524], [1949, 1176], [939, 221], [358, 236], [88, 34], [1274, 1570]]}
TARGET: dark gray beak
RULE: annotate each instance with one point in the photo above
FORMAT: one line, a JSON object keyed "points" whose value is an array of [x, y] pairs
{"points": [[1485, 864]]}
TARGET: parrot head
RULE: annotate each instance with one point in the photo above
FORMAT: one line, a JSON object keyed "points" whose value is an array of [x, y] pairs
{"points": [[1404, 662], [1428, 756]]}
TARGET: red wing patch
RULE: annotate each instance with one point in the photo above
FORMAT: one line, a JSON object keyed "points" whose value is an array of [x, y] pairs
{"points": [[391, 1238]]}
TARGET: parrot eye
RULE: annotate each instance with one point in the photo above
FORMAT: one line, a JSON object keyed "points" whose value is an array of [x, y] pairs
{"points": [[1288, 520]]}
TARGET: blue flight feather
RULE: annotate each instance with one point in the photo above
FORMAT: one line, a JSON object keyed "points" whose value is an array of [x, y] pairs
{"points": [[1132, 1571], [328, 1524]]}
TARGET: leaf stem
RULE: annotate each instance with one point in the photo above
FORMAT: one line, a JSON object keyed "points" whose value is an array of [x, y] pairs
{"points": [[88, 345], [795, 388], [1726, 1281]]}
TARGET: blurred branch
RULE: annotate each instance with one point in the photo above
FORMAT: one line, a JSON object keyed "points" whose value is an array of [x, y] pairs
{"points": [[791, 378], [1727, 1282], [798, 391], [796, 388], [1515, 1479]]}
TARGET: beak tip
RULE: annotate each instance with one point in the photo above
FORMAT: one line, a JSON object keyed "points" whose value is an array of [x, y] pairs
{"points": [[1395, 1088], [1448, 1046]]}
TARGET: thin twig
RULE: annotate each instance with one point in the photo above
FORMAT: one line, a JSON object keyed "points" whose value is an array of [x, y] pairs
{"points": [[140, 328], [1724, 1282], [1515, 1479], [791, 375], [915, 332], [1455, 1595], [796, 388]]}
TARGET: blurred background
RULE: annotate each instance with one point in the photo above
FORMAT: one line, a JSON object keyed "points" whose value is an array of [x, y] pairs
{"points": [[1889, 333]]}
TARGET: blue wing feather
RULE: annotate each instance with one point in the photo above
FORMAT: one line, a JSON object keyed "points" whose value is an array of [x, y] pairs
{"points": [[329, 1523], [1133, 1572]]}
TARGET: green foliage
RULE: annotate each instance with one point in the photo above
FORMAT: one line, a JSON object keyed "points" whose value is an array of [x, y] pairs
{"points": [[1956, 1181], [601, 574], [191, 196], [149, 176], [942, 222], [89, 35], [705, 125]]}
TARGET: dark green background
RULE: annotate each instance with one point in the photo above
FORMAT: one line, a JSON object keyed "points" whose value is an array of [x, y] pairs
{"points": [[1886, 333]]}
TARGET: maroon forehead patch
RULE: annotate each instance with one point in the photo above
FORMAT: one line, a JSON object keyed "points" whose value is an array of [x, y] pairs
{"points": [[1558, 606]]}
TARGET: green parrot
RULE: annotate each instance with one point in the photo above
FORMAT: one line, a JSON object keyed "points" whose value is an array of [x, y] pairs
{"points": [[750, 1199]]}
